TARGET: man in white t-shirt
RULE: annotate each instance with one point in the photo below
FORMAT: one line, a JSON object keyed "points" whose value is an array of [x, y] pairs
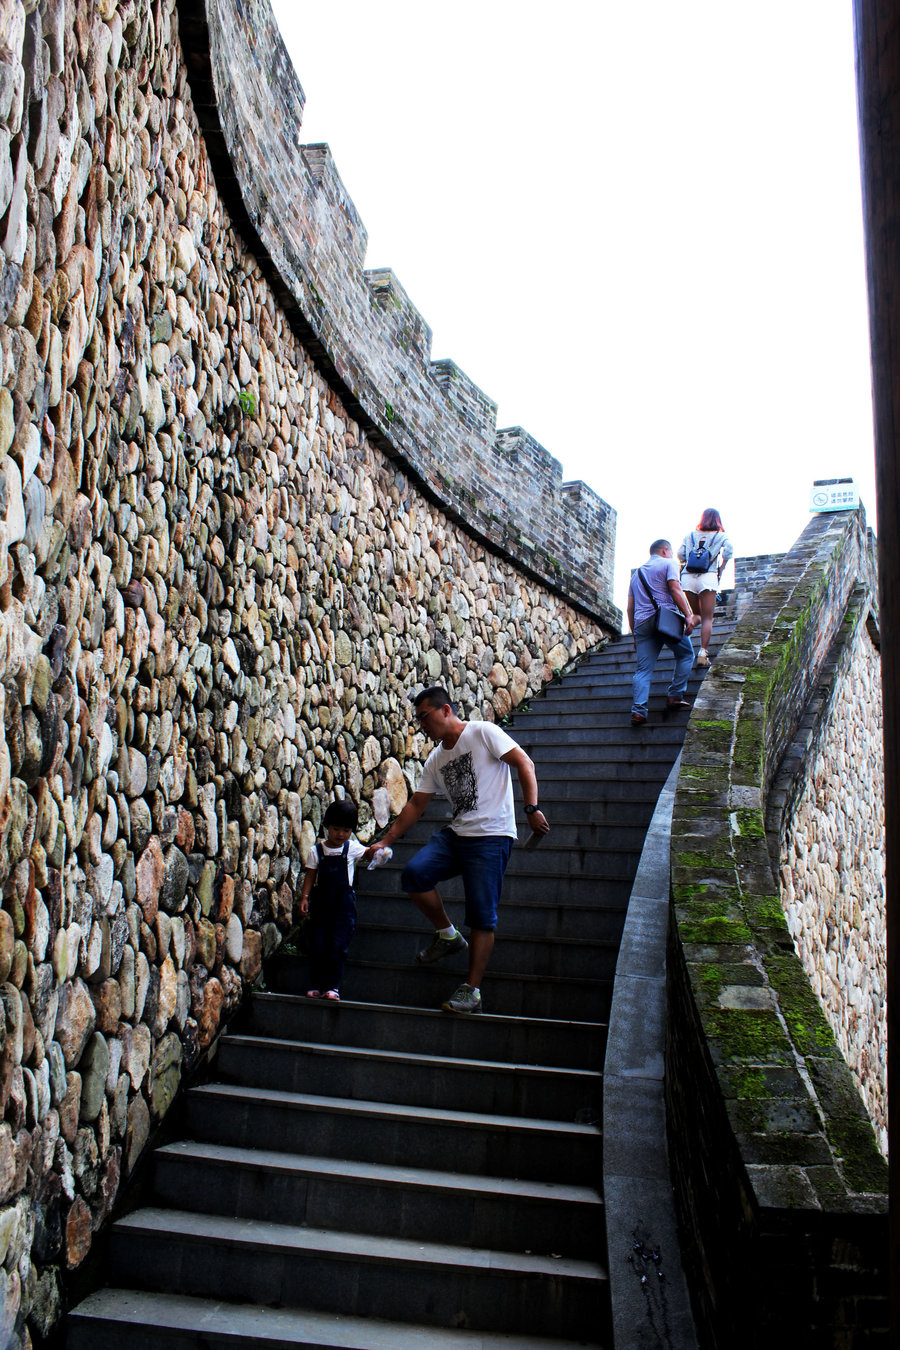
{"points": [[470, 765]]}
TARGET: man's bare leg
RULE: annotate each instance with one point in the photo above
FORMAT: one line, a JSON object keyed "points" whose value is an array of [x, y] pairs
{"points": [[481, 944], [431, 905]]}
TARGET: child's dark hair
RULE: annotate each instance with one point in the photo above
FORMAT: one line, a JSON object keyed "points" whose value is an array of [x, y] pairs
{"points": [[342, 814]]}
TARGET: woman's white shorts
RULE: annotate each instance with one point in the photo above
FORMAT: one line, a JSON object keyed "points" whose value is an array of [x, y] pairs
{"points": [[699, 581]]}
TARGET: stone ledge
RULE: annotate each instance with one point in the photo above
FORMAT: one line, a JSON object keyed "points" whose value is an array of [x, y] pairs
{"points": [[773, 1123]]}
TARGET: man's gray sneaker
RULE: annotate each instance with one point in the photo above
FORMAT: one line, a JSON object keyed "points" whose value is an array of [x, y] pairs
{"points": [[465, 1000], [441, 947]]}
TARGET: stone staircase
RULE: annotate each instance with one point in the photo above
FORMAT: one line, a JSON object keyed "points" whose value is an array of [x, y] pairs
{"points": [[377, 1173]]}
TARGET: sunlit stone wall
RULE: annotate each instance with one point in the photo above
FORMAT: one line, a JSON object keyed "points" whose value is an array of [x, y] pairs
{"points": [[832, 873]]}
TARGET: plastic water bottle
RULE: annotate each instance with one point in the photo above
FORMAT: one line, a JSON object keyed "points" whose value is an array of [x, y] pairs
{"points": [[381, 857]]}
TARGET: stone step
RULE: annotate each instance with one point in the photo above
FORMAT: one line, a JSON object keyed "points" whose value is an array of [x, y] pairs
{"points": [[532, 727], [346, 1272], [602, 714], [560, 780], [427, 1031], [621, 649], [511, 995], [381, 1132], [373, 1198], [548, 958], [534, 918], [138, 1320], [546, 857], [568, 791], [590, 834], [614, 675], [655, 742], [549, 885], [361, 1072], [609, 799]]}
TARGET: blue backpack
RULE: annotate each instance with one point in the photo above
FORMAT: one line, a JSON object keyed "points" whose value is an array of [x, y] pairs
{"points": [[702, 559]]}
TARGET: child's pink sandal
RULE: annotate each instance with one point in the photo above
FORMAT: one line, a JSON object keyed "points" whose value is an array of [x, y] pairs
{"points": [[332, 994], [313, 993]]}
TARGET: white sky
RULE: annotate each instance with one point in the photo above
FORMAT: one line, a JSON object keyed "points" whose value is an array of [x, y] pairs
{"points": [[637, 227]]}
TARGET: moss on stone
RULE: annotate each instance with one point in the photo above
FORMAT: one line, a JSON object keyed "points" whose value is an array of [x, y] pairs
{"points": [[766, 911], [800, 1008], [749, 748], [683, 893], [711, 736], [711, 857], [853, 1140], [712, 928], [749, 1036], [751, 823], [711, 979], [750, 1084]]}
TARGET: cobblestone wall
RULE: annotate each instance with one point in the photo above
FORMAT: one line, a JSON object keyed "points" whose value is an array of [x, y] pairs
{"points": [[832, 871], [216, 591]]}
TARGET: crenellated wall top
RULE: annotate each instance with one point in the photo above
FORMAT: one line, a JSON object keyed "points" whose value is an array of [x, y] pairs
{"points": [[501, 484]]}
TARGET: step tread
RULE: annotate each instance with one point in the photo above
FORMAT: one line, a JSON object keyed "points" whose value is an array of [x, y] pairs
{"points": [[286, 1238], [494, 976], [550, 845], [248, 1324], [493, 1066], [534, 939], [435, 1014], [393, 1110], [582, 906], [272, 1160]]}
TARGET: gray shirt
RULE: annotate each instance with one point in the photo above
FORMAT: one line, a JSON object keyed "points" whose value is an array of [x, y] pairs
{"points": [[658, 571]]}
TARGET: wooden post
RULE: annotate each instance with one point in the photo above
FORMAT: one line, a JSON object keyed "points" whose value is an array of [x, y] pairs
{"points": [[877, 28]]}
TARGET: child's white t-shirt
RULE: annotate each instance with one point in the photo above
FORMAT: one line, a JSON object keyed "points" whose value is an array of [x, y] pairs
{"points": [[356, 850], [475, 779]]}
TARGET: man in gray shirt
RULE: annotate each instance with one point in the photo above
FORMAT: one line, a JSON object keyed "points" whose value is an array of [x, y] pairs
{"points": [[660, 574]]}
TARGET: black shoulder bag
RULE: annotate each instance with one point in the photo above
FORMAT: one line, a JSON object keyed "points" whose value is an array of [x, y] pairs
{"points": [[669, 622]]}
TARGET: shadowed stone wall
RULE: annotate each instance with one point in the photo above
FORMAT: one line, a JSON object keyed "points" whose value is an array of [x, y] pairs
{"points": [[218, 586], [781, 1187]]}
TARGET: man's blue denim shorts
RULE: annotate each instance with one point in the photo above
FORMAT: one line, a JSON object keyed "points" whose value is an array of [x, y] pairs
{"points": [[480, 862]]}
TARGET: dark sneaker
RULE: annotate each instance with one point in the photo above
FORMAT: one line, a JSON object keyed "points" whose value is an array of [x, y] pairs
{"points": [[441, 947], [465, 1000]]}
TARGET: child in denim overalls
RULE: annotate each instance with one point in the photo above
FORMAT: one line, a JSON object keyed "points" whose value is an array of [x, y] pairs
{"points": [[329, 898]]}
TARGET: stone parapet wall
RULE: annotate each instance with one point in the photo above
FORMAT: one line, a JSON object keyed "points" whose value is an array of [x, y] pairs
{"points": [[751, 574], [781, 1187], [832, 865], [503, 485], [216, 592]]}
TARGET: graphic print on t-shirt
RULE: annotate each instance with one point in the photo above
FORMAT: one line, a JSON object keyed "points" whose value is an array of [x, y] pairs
{"points": [[461, 784]]}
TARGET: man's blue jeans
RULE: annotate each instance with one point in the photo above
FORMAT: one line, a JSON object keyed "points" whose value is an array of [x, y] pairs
{"points": [[649, 646]]}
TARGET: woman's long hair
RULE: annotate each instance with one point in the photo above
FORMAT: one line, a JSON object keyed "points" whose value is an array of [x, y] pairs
{"points": [[710, 520]]}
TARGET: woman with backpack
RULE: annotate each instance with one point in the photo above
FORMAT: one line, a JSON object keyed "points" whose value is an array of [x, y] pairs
{"points": [[704, 554]]}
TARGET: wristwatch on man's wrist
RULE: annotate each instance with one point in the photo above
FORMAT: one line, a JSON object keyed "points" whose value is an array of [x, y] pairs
{"points": [[530, 809]]}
